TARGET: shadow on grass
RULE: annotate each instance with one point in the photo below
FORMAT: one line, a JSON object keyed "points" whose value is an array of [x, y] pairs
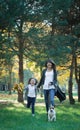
{"points": [[16, 116]]}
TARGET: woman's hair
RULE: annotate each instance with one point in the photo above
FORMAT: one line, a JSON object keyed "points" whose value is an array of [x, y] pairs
{"points": [[31, 79], [52, 62]]}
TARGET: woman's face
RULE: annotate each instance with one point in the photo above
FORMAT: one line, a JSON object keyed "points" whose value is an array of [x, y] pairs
{"points": [[49, 65]]}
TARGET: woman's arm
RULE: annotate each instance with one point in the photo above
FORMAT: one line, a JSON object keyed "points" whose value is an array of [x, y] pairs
{"points": [[42, 79]]}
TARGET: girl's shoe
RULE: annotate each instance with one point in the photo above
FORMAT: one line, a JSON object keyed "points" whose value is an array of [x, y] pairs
{"points": [[33, 114]]}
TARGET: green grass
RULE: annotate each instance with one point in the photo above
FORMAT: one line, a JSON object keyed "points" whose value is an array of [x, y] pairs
{"points": [[15, 116]]}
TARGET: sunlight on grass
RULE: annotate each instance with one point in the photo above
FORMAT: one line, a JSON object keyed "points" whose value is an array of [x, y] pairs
{"points": [[17, 117], [10, 108], [66, 119]]}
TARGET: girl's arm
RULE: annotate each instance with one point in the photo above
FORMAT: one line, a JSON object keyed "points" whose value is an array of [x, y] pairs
{"points": [[26, 89]]}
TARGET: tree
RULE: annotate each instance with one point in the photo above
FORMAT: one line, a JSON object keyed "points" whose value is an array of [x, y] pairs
{"points": [[77, 67], [17, 13], [27, 23], [68, 19]]}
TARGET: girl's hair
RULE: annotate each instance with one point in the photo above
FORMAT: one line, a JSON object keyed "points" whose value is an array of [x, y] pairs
{"points": [[52, 62], [31, 79]]}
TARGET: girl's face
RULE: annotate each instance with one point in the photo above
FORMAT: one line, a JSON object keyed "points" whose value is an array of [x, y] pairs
{"points": [[32, 82], [49, 65]]}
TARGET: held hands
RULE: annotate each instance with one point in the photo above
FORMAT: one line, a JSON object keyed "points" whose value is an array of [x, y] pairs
{"points": [[50, 83]]}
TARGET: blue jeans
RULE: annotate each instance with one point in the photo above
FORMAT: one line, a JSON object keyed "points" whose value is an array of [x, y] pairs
{"points": [[49, 98], [31, 102]]}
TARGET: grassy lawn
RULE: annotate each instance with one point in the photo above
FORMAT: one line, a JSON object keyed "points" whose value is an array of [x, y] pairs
{"points": [[15, 116]]}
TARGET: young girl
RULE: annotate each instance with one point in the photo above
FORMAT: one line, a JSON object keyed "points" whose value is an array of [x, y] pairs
{"points": [[31, 94]]}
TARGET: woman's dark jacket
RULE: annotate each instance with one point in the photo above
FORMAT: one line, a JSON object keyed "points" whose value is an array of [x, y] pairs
{"points": [[61, 95], [43, 78]]}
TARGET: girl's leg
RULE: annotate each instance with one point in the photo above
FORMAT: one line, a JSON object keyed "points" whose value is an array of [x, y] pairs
{"points": [[28, 102], [52, 94], [33, 104], [46, 98]]}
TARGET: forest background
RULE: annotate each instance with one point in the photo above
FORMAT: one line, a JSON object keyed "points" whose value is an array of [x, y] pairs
{"points": [[31, 31]]}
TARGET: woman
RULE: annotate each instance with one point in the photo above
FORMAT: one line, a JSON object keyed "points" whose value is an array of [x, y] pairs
{"points": [[48, 81]]}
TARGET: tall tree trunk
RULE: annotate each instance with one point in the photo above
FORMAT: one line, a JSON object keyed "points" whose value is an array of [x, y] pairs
{"points": [[20, 95], [9, 83], [72, 101], [77, 77], [79, 87], [10, 80], [20, 63], [53, 19], [41, 88], [21, 51]]}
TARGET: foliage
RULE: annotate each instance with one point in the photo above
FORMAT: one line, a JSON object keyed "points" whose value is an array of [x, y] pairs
{"points": [[27, 74], [39, 30], [19, 87]]}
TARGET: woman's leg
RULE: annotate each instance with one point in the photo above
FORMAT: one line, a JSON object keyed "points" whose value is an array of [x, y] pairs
{"points": [[52, 94], [46, 98]]}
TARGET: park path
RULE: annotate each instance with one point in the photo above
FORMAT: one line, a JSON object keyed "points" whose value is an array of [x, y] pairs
{"points": [[7, 99]]}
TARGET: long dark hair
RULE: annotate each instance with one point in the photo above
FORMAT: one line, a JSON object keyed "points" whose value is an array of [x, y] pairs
{"points": [[52, 62]]}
